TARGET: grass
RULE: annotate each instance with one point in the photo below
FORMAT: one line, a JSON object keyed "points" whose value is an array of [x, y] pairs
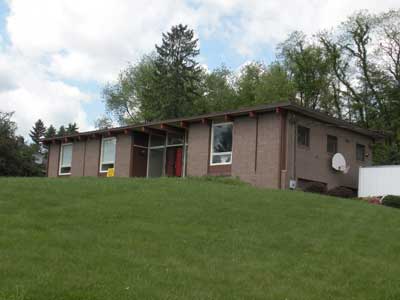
{"points": [[191, 239]]}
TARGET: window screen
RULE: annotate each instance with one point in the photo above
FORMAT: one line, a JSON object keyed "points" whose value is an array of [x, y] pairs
{"points": [[66, 159], [107, 154]]}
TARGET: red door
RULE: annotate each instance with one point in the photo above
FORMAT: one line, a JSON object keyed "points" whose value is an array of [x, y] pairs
{"points": [[174, 162]]}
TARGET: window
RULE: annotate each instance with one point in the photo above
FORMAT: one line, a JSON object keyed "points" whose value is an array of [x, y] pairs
{"points": [[65, 159], [332, 144], [360, 152], [221, 144], [175, 139], [303, 136], [107, 156]]}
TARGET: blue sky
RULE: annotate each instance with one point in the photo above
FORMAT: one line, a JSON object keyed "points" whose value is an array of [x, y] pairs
{"points": [[57, 55]]}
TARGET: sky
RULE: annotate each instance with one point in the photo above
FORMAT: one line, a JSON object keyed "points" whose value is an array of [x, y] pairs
{"points": [[57, 55]]}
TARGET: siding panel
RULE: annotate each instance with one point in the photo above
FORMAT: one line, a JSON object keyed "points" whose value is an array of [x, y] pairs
{"points": [[78, 158], [198, 148], [123, 155], [92, 156], [53, 160]]}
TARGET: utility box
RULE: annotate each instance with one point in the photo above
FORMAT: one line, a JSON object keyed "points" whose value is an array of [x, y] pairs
{"points": [[379, 181]]}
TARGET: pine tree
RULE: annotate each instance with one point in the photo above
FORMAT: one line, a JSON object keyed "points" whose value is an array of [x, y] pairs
{"points": [[61, 131], [51, 132], [72, 128], [38, 131], [177, 75]]}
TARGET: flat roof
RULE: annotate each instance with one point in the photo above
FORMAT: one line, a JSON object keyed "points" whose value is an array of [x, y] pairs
{"points": [[178, 124]]}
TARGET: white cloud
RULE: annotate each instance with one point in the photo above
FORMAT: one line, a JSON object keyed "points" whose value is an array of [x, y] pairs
{"points": [[33, 95], [55, 42]]}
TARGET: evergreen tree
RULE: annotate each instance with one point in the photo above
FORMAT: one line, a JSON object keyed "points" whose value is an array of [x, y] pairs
{"points": [[38, 131], [50, 132], [61, 131], [177, 75], [16, 157], [72, 128]]}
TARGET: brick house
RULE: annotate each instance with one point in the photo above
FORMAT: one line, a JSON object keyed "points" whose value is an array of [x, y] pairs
{"points": [[270, 146]]}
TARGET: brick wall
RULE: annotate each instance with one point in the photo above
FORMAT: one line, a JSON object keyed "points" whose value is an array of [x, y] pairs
{"points": [[123, 155], [314, 162], [78, 158], [244, 149], [92, 156], [198, 148], [53, 160]]}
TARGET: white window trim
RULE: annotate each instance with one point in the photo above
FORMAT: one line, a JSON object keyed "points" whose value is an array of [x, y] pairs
{"points": [[219, 153], [61, 159], [101, 153]]}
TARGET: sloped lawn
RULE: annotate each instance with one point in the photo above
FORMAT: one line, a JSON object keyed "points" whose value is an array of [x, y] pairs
{"points": [[191, 239]]}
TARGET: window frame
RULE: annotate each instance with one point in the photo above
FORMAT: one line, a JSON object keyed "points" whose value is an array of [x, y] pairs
{"points": [[307, 145], [364, 152], [101, 153], [220, 153], [327, 143], [60, 166]]}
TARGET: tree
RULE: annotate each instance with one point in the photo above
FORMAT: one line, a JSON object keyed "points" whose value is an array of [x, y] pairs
{"points": [[50, 132], [177, 75], [365, 56], [103, 122], [309, 69], [38, 131], [61, 131], [130, 99], [248, 81], [16, 157], [275, 85], [72, 128], [218, 91]]}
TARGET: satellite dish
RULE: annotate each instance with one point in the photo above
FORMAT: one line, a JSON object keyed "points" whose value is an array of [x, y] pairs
{"points": [[339, 163]]}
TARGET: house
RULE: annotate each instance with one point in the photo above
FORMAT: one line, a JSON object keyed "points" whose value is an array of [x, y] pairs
{"points": [[275, 145]]}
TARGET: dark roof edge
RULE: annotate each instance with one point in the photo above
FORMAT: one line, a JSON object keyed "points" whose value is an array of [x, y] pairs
{"points": [[235, 113]]}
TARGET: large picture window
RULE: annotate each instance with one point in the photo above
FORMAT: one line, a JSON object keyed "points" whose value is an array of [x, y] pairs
{"points": [[107, 156], [221, 144], [65, 159]]}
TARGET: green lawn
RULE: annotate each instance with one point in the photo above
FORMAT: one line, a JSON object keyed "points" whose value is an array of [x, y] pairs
{"points": [[191, 239]]}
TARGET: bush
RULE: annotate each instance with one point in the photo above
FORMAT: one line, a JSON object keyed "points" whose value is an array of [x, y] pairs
{"points": [[315, 187], [342, 192], [374, 200], [392, 201]]}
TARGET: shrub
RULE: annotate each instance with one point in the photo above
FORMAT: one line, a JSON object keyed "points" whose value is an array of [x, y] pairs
{"points": [[341, 191], [392, 201], [374, 200], [315, 187]]}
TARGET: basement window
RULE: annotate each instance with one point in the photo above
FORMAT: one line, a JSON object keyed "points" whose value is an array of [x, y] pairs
{"points": [[65, 159], [107, 155], [303, 136], [332, 144], [360, 152], [221, 144]]}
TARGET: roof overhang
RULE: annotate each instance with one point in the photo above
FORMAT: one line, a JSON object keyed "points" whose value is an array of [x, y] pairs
{"points": [[179, 125]]}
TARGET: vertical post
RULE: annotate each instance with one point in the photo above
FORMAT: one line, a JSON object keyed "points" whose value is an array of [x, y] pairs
{"points": [[148, 156], [184, 154], [164, 154]]}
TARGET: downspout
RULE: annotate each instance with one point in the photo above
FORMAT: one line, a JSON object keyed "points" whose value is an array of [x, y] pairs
{"points": [[84, 157], [282, 142]]}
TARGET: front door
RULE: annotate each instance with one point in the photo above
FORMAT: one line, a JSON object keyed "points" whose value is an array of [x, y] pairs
{"points": [[173, 164]]}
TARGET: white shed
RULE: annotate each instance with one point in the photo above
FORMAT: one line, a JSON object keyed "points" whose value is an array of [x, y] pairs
{"points": [[379, 181]]}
